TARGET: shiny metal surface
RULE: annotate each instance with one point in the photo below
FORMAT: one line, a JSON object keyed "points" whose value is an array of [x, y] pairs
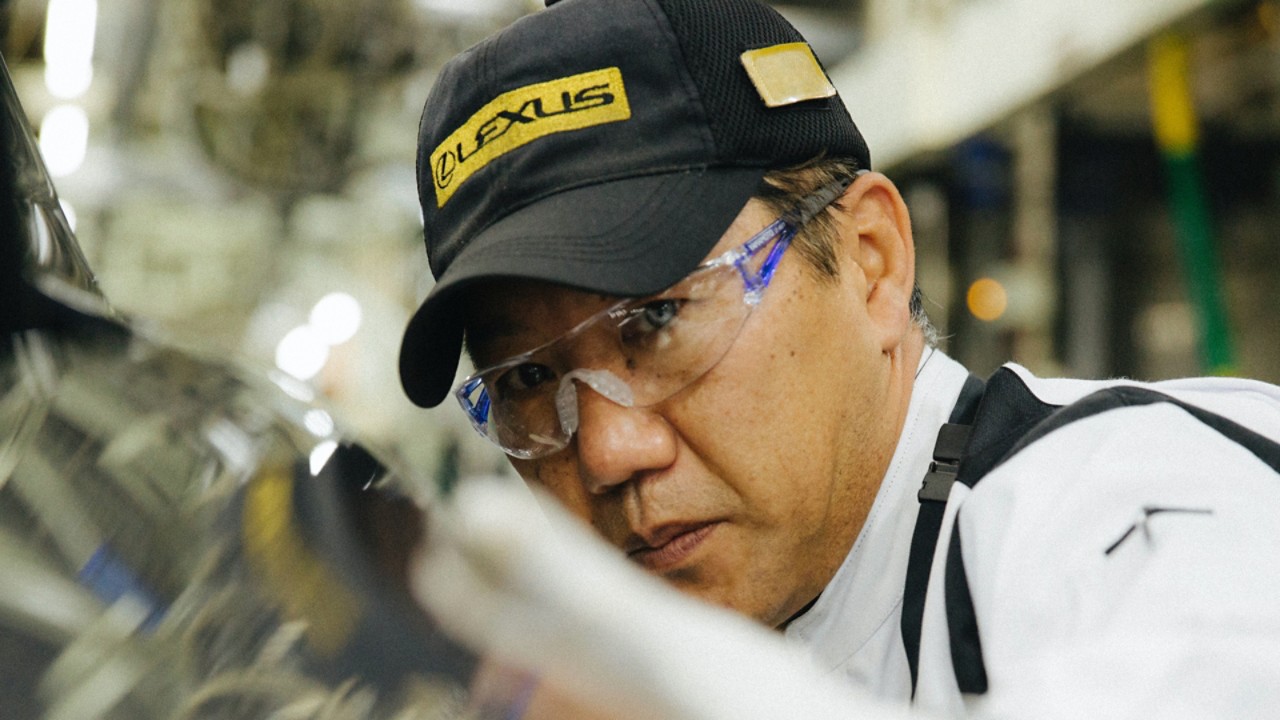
{"points": [[180, 538], [176, 543], [39, 256], [50, 245]]}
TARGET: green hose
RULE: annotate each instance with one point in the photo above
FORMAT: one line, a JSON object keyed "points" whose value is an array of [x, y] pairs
{"points": [[1176, 129]]}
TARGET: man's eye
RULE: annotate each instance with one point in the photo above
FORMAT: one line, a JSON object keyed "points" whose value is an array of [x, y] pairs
{"points": [[651, 323], [657, 314], [522, 378]]}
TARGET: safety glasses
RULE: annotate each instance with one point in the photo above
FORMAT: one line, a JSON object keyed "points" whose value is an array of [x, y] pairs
{"points": [[636, 352]]}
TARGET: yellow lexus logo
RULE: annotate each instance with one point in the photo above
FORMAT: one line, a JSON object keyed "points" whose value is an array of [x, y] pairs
{"points": [[519, 117]]}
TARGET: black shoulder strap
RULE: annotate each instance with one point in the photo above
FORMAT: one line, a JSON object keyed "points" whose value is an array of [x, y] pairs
{"points": [[987, 422], [1262, 447], [1009, 412], [1009, 419], [952, 439]]}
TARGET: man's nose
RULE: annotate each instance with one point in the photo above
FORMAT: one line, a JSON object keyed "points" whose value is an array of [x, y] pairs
{"points": [[616, 443]]}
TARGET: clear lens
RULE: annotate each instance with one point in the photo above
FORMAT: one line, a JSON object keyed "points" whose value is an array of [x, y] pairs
{"points": [[657, 345], [670, 341]]}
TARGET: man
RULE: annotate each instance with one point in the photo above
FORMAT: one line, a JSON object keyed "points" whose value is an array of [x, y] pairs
{"points": [[693, 311]]}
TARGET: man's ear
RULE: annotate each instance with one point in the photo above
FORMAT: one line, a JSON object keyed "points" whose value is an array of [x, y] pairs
{"points": [[875, 230]]}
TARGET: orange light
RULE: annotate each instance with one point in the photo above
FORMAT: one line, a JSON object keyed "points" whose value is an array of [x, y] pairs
{"points": [[987, 299]]}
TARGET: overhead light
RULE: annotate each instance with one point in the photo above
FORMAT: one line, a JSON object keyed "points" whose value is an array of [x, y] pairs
{"points": [[987, 299], [319, 422], [248, 69], [64, 139], [336, 318], [69, 30], [302, 353]]}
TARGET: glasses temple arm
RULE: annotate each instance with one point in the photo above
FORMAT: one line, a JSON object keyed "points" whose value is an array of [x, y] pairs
{"points": [[802, 213], [809, 208], [757, 282]]}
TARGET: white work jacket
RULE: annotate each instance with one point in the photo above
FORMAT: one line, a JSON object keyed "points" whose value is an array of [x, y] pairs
{"points": [[1126, 565]]}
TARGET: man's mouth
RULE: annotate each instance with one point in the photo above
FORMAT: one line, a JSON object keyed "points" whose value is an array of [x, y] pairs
{"points": [[667, 546]]}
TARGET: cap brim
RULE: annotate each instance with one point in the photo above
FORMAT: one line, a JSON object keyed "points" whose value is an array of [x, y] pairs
{"points": [[627, 237]]}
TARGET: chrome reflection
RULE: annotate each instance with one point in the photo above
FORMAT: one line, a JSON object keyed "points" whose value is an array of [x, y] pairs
{"points": [[167, 549], [44, 278], [46, 245]]}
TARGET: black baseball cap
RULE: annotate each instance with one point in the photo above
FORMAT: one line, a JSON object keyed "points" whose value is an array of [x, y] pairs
{"points": [[606, 145]]}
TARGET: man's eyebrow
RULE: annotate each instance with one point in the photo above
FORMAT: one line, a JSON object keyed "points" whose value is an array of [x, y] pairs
{"points": [[479, 338], [484, 336]]}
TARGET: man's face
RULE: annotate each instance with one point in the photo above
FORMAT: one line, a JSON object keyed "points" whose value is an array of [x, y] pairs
{"points": [[748, 487]]}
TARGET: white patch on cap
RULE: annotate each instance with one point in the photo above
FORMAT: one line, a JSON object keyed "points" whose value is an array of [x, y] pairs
{"points": [[787, 74]]}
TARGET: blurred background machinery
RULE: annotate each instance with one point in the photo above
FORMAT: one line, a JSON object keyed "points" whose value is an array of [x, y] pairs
{"points": [[1096, 182], [1094, 185]]}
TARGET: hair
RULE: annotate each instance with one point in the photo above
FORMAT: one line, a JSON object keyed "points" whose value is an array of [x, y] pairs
{"points": [[816, 242]]}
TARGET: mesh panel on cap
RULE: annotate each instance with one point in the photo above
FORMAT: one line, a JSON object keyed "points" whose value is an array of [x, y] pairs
{"points": [[713, 34]]}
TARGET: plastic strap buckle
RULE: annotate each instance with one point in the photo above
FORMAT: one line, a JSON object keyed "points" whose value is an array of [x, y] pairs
{"points": [[952, 440]]}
